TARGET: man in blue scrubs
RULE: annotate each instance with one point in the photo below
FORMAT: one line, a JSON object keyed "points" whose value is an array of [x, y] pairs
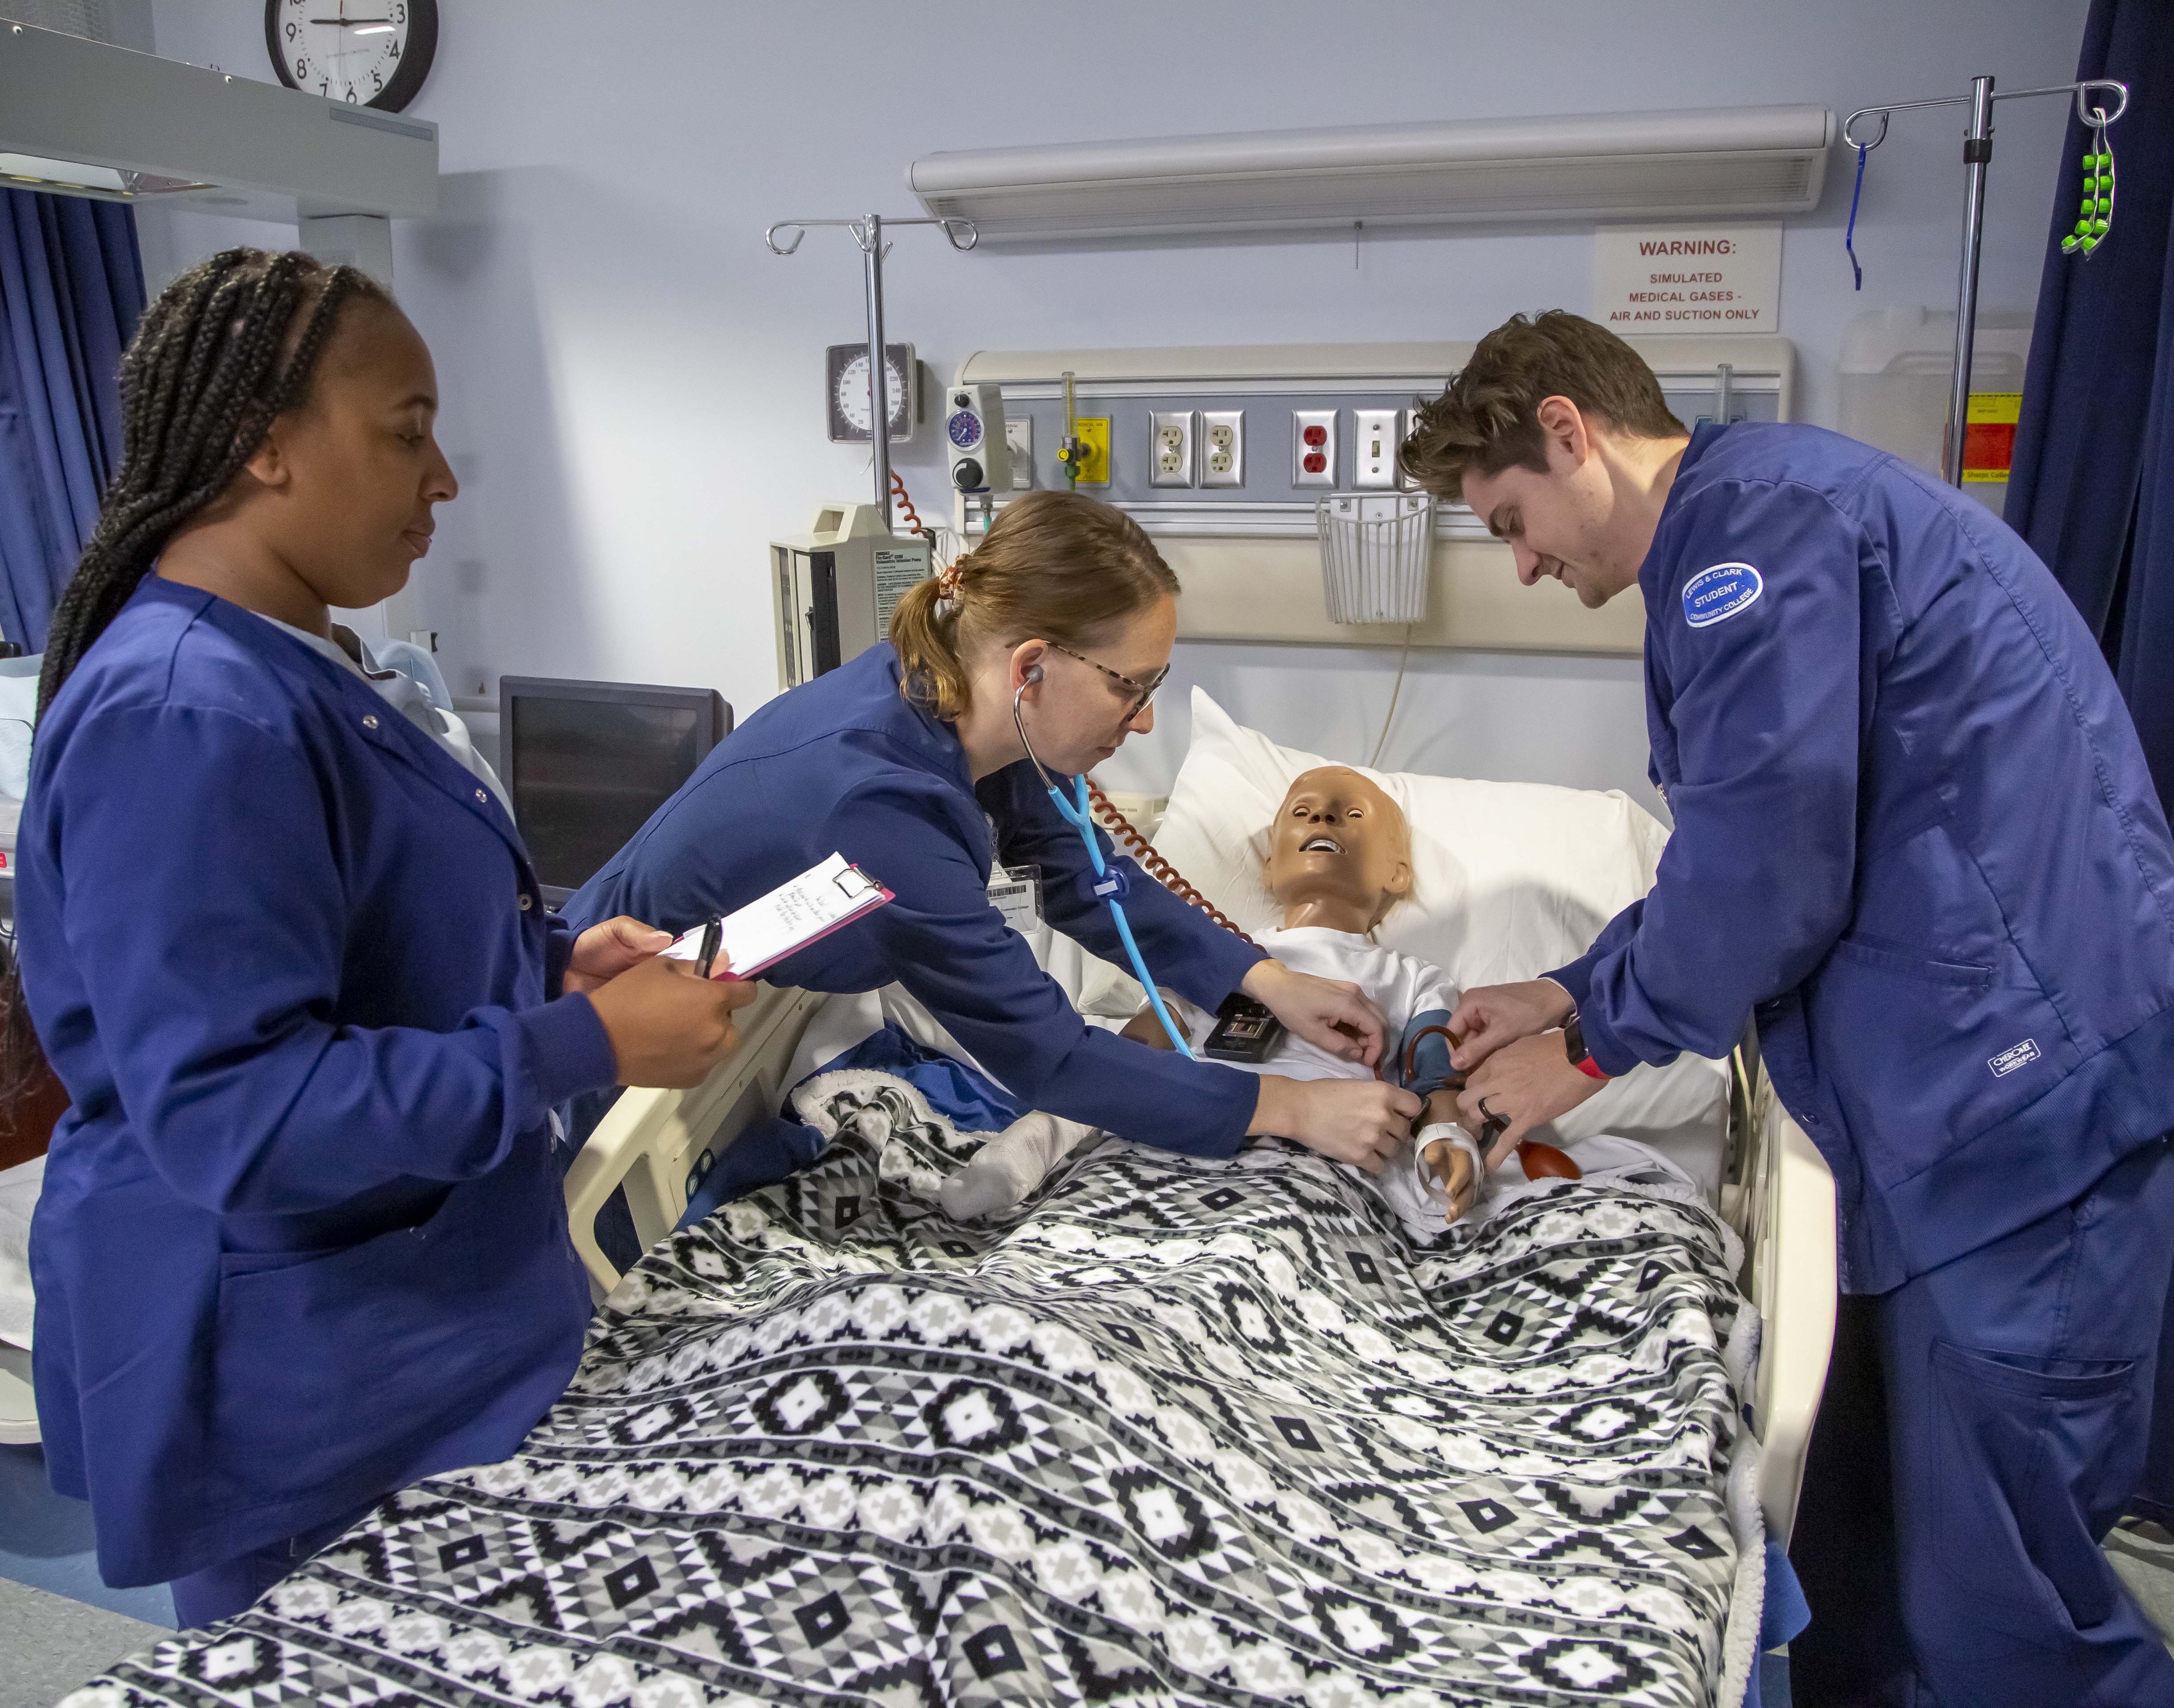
{"points": [[1915, 838]]}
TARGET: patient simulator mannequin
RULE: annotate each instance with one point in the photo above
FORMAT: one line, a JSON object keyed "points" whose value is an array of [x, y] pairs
{"points": [[1339, 858]]}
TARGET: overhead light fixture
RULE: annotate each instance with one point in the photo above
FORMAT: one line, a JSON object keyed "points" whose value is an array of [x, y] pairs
{"points": [[1716, 163], [77, 178], [85, 118]]}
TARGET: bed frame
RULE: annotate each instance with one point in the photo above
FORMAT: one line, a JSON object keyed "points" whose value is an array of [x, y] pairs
{"points": [[1780, 1198]]}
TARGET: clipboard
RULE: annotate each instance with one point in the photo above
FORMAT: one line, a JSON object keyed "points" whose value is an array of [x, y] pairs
{"points": [[828, 896]]}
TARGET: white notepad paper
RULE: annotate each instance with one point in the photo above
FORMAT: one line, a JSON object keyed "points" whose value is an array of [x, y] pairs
{"points": [[818, 902]]}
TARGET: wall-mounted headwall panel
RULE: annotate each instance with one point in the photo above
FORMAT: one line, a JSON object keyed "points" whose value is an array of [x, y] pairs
{"points": [[1718, 163], [1244, 543]]}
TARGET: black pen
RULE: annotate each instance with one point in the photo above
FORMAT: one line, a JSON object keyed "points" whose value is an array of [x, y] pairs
{"points": [[710, 933]]}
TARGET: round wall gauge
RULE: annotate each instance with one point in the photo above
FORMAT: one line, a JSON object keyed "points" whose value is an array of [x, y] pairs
{"points": [[846, 368]]}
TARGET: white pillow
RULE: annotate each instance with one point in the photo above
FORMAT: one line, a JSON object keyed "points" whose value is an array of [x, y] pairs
{"points": [[18, 710], [1510, 880]]}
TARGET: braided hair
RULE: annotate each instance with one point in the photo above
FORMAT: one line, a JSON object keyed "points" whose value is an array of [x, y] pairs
{"points": [[227, 347]]}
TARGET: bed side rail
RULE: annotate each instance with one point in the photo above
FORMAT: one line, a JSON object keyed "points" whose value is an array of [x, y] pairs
{"points": [[658, 1145], [1785, 1210]]}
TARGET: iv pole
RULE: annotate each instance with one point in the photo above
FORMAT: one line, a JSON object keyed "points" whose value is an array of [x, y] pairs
{"points": [[868, 232], [1977, 151]]}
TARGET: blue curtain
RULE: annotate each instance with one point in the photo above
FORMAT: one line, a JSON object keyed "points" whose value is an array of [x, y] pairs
{"points": [[2092, 484], [71, 291]]}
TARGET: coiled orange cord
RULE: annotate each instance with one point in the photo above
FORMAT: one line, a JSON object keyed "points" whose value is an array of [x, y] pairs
{"points": [[913, 521], [1153, 863]]}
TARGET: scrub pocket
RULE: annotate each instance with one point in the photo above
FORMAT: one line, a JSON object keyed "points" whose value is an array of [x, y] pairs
{"points": [[1937, 1051], [2023, 1442], [327, 1363]]}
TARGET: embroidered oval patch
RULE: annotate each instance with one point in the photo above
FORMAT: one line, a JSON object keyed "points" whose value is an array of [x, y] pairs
{"points": [[1720, 591]]}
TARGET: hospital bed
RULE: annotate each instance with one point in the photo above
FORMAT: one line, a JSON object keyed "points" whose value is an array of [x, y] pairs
{"points": [[1765, 1177], [1777, 1194]]}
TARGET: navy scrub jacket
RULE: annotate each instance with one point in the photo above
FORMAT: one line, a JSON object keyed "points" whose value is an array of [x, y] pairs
{"points": [[302, 1239], [1914, 832], [847, 763]]}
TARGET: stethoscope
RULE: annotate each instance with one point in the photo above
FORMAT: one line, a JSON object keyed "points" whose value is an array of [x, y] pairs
{"points": [[1110, 882]]}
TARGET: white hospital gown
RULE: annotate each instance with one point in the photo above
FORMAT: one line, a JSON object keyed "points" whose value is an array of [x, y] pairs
{"points": [[1404, 988]]}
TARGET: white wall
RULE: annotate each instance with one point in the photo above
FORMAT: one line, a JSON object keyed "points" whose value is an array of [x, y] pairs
{"points": [[632, 382]]}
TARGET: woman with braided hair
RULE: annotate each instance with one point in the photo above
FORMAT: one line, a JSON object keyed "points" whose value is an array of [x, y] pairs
{"points": [[301, 1239], [912, 760]]}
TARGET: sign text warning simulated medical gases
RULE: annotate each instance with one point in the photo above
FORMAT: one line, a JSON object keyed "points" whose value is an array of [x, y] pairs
{"points": [[1687, 279]]}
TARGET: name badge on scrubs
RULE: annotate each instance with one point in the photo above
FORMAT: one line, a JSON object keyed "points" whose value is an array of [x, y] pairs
{"points": [[1015, 892]]}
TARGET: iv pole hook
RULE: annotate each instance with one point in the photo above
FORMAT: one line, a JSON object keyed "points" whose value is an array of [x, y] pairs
{"points": [[868, 232]]}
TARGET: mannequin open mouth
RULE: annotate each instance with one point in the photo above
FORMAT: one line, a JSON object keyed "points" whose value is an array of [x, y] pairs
{"points": [[1321, 845]]}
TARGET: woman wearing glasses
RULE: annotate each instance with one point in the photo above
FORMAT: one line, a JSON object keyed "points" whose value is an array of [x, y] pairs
{"points": [[921, 760]]}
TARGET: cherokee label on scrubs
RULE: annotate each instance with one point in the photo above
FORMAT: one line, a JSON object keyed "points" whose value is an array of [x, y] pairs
{"points": [[2014, 1056], [1015, 892], [1720, 591]]}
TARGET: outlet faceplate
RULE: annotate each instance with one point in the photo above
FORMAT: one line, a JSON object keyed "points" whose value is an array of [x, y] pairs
{"points": [[1375, 434], [1170, 447], [1313, 447], [1223, 447]]}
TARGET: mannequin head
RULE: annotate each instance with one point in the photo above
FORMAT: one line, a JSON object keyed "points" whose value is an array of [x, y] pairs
{"points": [[1339, 852]]}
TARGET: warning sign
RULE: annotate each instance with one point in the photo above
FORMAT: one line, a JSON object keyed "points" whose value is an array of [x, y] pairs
{"points": [[1989, 435], [1687, 279]]}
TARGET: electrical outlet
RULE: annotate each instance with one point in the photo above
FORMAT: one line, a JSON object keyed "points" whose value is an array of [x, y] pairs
{"points": [[1313, 447], [1170, 444], [1374, 440], [1019, 433], [1223, 447]]}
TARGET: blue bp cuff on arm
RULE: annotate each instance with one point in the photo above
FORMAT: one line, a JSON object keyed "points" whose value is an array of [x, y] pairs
{"points": [[1423, 1064]]}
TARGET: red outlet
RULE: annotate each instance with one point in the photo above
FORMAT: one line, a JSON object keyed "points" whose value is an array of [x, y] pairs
{"points": [[1315, 437], [1315, 461]]}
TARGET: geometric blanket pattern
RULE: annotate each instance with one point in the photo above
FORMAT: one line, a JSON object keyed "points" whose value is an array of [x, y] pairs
{"points": [[1174, 1431]]}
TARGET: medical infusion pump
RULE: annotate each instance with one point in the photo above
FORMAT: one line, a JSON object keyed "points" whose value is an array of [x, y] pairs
{"points": [[834, 588]]}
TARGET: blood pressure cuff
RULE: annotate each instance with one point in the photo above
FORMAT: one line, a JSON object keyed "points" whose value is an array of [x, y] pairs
{"points": [[1422, 1059]]}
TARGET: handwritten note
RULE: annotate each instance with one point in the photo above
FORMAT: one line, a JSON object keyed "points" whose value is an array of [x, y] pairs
{"points": [[818, 902]]}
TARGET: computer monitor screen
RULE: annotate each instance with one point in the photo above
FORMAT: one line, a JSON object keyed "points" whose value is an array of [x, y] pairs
{"points": [[588, 762]]}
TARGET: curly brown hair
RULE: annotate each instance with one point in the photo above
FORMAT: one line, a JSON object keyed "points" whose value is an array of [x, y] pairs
{"points": [[1488, 419]]}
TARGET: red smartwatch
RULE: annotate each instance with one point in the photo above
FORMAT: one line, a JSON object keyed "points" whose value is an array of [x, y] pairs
{"points": [[1574, 1046]]}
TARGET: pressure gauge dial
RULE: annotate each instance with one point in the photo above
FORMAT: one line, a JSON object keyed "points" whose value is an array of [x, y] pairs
{"points": [[851, 411]]}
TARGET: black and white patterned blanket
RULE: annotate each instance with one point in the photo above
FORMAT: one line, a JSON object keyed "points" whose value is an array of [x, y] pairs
{"points": [[1176, 1432]]}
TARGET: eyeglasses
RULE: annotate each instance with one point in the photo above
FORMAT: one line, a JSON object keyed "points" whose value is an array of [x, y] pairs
{"points": [[1142, 692]]}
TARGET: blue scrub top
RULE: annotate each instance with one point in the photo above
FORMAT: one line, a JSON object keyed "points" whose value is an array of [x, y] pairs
{"points": [[1914, 833], [302, 1239], [847, 763]]}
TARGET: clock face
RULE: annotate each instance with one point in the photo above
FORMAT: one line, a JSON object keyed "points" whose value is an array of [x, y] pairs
{"points": [[365, 52]]}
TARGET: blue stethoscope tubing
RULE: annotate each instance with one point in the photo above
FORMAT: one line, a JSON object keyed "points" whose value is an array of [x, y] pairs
{"points": [[1075, 814]]}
